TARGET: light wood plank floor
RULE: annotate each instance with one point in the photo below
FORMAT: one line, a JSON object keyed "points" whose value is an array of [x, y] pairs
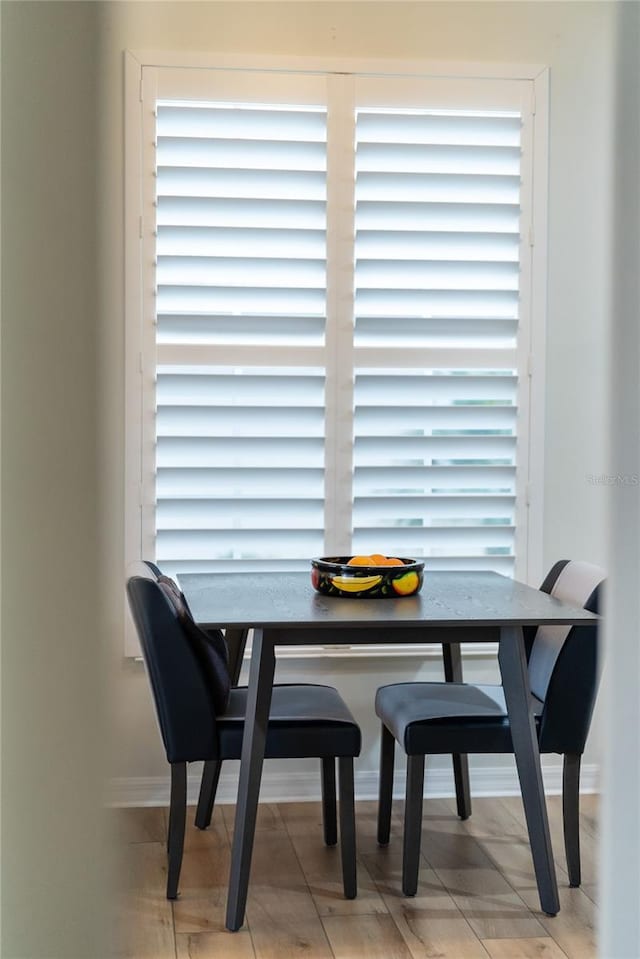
{"points": [[477, 895]]}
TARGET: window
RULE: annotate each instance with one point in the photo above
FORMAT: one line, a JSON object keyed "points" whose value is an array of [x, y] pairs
{"points": [[335, 319]]}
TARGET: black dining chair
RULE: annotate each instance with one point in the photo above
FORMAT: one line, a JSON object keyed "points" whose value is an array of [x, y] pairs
{"points": [[201, 717], [233, 648], [437, 718]]}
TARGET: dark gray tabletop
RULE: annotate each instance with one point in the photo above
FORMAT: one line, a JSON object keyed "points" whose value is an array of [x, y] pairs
{"points": [[287, 600]]}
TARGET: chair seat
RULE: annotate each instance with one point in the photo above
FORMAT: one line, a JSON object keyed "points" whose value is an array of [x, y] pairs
{"points": [[304, 721], [439, 717]]}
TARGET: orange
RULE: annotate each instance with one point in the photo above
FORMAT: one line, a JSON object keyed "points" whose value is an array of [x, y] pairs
{"points": [[376, 559]]}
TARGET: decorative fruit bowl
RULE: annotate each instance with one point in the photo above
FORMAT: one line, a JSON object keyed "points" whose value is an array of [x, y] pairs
{"points": [[383, 578]]}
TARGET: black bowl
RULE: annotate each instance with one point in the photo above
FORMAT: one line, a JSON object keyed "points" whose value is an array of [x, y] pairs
{"points": [[332, 576]]}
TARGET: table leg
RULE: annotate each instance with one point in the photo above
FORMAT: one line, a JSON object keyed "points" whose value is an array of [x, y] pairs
{"points": [[236, 640], [452, 660], [253, 746], [515, 681]]}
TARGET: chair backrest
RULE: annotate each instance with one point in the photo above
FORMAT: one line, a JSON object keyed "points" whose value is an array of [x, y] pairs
{"points": [[210, 644], [563, 660], [182, 691], [157, 572]]}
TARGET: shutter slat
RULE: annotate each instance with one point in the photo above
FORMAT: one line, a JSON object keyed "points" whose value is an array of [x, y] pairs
{"points": [[173, 151], [412, 421], [446, 304], [305, 483], [435, 388], [249, 388], [441, 188], [477, 332], [432, 158], [241, 184], [246, 513], [239, 451], [174, 567], [378, 274], [429, 480], [237, 544], [466, 247], [247, 243], [436, 511], [397, 126], [436, 215], [450, 540], [237, 121], [240, 272], [245, 421], [277, 302], [203, 329], [375, 451], [233, 212]]}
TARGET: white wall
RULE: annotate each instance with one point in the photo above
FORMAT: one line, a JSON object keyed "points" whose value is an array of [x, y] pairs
{"points": [[575, 41], [54, 305]]}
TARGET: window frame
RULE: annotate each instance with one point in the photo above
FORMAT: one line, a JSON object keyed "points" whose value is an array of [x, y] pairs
{"points": [[139, 346]]}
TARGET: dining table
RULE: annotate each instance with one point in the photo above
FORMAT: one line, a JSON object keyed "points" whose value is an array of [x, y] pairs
{"points": [[453, 607]]}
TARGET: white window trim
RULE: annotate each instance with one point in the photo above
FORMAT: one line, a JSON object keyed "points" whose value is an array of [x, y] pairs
{"points": [[532, 360]]}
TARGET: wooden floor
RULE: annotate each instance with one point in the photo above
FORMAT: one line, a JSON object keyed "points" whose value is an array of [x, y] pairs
{"points": [[476, 898]]}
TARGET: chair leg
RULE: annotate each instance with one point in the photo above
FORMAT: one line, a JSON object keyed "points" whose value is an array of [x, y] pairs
{"points": [[452, 660], [412, 824], [463, 789], [571, 815], [208, 789], [329, 816], [177, 817], [347, 826], [385, 790]]}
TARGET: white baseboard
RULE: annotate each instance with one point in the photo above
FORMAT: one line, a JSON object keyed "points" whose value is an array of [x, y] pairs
{"points": [[305, 786]]}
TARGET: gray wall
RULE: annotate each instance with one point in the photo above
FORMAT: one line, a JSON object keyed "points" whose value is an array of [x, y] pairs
{"points": [[620, 842], [53, 851]]}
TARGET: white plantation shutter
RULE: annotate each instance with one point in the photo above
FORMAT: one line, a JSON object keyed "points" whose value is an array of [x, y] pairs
{"points": [[238, 476], [336, 306], [241, 278], [432, 479], [437, 271]]}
